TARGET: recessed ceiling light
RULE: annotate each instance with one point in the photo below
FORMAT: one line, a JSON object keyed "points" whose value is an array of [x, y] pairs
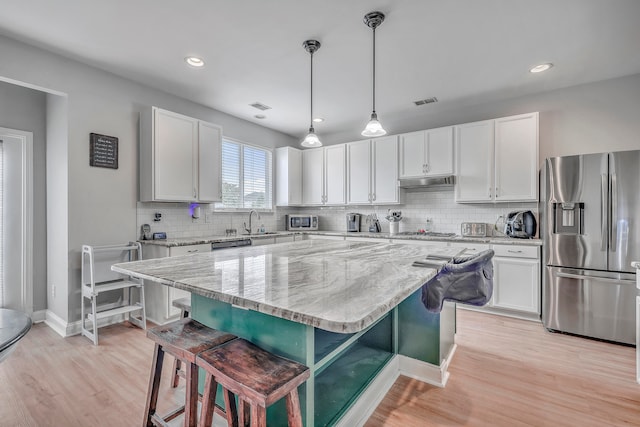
{"points": [[540, 68], [194, 61], [260, 116], [318, 120]]}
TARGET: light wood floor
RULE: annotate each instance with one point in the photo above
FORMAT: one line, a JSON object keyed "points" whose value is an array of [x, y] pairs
{"points": [[509, 372], [505, 372]]}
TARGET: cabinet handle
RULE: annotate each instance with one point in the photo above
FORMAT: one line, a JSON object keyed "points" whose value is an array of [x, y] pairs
{"points": [[426, 167], [489, 192], [193, 250], [514, 252], [496, 192], [194, 192], [374, 196]]}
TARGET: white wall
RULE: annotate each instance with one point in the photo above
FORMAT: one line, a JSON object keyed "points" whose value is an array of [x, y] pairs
{"points": [[24, 109], [101, 203], [589, 118]]}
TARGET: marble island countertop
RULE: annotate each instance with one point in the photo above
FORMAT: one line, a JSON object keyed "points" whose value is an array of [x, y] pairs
{"points": [[186, 241], [339, 286]]}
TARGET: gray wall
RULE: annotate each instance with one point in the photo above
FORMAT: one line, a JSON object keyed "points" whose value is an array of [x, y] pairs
{"points": [[589, 118], [102, 202], [24, 109]]}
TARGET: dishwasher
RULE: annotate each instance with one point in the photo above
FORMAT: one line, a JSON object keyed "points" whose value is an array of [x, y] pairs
{"points": [[230, 244]]}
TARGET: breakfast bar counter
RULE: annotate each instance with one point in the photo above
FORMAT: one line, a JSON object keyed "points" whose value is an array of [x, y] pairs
{"points": [[351, 311]]}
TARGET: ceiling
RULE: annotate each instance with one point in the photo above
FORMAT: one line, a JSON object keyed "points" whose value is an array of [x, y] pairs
{"points": [[463, 52]]}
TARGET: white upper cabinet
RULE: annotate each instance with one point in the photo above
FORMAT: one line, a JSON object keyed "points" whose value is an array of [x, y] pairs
{"points": [[384, 173], [359, 172], [474, 162], [335, 165], [323, 176], [426, 153], [313, 176], [288, 176], [516, 158], [497, 160], [210, 162], [179, 158], [372, 171]]}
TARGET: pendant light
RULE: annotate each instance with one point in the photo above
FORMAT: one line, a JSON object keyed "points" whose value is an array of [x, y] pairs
{"points": [[374, 128], [311, 140]]}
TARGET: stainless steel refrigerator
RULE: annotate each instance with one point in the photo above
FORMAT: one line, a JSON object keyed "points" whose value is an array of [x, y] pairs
{"points": [[590, 223]]}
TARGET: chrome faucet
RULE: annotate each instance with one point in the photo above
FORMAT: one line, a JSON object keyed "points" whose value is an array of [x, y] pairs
{"points": [[248, 230]]}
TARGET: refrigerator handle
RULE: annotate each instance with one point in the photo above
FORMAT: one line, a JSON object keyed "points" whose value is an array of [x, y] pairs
{"points": [[603, 212], [614, 213], [600, 279]]}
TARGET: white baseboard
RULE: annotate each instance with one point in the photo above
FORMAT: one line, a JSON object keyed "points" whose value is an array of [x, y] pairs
{"points": [[64, 329], [426, 372], [39, 316], [75, 328], [56, 323], [369, 400]]}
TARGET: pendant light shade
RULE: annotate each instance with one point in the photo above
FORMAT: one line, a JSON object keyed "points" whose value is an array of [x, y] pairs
{"points": [[374, 128], [311, 140]]}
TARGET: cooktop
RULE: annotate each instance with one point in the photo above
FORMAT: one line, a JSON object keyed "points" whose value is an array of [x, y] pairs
{"points": [[427, 234]]}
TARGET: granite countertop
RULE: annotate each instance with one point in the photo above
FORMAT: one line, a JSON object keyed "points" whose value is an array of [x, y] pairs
{"points": [[385, 236], [339, 286], [200, 240]]}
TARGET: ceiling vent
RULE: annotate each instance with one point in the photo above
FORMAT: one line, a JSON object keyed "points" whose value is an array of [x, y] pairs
{"points": [[426, 101], [260, 106]]}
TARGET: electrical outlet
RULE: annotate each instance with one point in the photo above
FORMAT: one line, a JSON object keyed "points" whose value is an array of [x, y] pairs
{"points": [[208, 217]]}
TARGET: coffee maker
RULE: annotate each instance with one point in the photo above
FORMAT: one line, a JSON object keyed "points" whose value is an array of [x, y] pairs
{"points": [[353, 222]]}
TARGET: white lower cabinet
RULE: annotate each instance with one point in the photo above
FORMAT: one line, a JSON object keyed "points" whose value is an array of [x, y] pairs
{"points": [[516, 279], [159, 298]]}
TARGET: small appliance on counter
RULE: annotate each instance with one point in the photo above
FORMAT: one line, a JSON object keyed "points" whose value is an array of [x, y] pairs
{"points": [[374, 223], [353, 222], [473, 229], [301, 222], [145, 232], [521, 224]]}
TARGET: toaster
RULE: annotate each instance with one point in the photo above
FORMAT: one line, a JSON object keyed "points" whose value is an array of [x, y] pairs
{"points": [[473, 229]]}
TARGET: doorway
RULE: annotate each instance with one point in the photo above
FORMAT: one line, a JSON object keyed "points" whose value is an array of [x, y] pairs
{"points": [[16, 220]]}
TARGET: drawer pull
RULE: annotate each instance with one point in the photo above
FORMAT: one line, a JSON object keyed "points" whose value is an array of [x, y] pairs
{"points": [[514, 252]]}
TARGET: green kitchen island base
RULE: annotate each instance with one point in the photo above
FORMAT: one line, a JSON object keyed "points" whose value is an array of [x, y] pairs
{"points": [[350, 373]]}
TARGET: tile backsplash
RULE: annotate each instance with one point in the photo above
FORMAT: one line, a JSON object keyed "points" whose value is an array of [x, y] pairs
{"points": [[418, 206], [177, 222]]}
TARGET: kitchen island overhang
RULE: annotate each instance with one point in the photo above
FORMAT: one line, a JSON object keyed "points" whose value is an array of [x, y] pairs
{"points": [[351, 311]]}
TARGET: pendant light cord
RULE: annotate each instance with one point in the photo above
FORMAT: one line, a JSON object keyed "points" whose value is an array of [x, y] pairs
{"points": [[374, 70], [311, 90]]}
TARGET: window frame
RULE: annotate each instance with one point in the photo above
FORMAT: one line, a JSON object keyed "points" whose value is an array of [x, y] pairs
{"points": [[217, 205]]}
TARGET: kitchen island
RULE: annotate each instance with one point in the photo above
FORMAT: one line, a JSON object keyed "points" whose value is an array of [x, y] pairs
{"points": [[351, 311]]}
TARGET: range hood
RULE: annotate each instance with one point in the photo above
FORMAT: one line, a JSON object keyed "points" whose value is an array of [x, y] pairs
{"points": [[427, 183]]}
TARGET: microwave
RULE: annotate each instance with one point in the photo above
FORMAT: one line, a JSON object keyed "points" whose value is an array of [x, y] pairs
{"points": [[301, 222]]}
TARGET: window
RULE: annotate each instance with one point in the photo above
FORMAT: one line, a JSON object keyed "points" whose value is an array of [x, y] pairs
{"points": [[246, 177]]}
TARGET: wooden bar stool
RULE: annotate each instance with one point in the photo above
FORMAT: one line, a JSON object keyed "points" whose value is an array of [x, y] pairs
{"points": [[258, 378], [184, 339], [184, 304]]}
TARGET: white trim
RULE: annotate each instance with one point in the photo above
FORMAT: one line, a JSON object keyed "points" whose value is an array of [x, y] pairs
{"points": [[426, 372], [75, 328], [26, 267], [371, 397], [56, 323], [39, 316], [65, 329], [369, 400]]}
